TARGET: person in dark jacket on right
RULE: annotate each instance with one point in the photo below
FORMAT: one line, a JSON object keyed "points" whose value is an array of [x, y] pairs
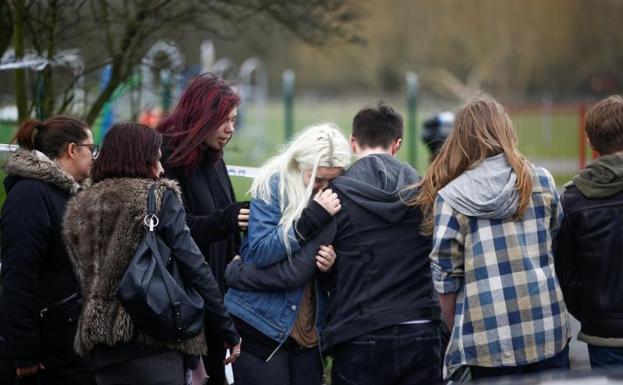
{"points": [[589, 243], [383, 318]]}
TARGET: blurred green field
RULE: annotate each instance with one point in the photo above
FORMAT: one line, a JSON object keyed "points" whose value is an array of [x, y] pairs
{"points": [[550, 140]]}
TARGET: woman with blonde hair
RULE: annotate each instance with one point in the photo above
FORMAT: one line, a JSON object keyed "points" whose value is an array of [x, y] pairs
{"points": [[493, 215], [280, 329]]}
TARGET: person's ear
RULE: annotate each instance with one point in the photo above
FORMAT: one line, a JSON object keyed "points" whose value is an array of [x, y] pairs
{"points": [[353, 144], [396, 146], [71, 150]]}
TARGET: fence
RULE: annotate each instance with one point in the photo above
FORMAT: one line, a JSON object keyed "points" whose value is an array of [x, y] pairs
{"points": [[552, 136]]}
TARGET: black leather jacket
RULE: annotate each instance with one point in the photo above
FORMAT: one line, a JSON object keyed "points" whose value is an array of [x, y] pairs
{"points": [[193, 266], [588, 261]]}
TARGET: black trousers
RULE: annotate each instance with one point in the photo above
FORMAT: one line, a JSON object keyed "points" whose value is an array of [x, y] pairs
{"points": [[290, 365]]}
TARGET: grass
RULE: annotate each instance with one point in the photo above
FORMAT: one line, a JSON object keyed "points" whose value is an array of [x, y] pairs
{"points": [[550, 140]]}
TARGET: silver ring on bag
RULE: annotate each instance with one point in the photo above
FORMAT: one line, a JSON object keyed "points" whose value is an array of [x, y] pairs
{"points": [[151, 221]]}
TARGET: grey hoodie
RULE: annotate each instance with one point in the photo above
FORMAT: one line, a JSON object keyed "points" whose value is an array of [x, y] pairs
{"points": [[485, 191], [378, 183]]}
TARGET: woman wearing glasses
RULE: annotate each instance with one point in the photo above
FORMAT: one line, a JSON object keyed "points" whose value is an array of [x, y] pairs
{"points": [[40, 303]]}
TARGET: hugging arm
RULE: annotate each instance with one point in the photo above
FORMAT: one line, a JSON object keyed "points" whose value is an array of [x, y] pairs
{"points": [[287, 274]]}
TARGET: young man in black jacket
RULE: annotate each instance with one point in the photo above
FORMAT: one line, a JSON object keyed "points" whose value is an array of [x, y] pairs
{"points": [[589, 243], [382, 323]]}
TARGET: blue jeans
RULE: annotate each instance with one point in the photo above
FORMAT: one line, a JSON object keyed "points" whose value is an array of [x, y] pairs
{"points": [[559, 361], [605, 357], [400, 354]]}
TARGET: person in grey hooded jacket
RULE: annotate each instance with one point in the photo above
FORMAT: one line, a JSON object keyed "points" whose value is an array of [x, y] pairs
{"points": [[382, 323], [493, 216]]}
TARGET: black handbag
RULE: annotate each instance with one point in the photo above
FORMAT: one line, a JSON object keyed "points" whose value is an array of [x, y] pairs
{"points": [[153, 291]]}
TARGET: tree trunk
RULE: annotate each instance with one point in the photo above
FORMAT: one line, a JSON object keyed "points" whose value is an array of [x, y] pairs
{"points": [[6, 27], [115, 79], [48, 84], [21, 97]]}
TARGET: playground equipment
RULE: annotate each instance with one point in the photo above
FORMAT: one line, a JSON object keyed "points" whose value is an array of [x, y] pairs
{"points": [[171, 78], [251, 81]]}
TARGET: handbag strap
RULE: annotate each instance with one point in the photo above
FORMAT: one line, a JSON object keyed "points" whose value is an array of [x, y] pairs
{"points": [[151, 220]]}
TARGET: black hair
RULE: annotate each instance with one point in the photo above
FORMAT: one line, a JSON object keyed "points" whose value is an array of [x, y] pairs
{"points": [[378, 126]]}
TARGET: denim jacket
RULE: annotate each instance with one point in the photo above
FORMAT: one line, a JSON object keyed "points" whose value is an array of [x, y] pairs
{"points": [[273, 313]]}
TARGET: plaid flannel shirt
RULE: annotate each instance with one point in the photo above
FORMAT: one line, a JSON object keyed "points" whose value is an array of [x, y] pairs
{"points": [[509, 305]]}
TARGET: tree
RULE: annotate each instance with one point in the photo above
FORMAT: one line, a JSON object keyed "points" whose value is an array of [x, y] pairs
{"points": [[120, 32], [6, 27]]}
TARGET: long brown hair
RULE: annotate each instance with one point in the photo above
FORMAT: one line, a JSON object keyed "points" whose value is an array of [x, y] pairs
{"points": [[481, 129]]}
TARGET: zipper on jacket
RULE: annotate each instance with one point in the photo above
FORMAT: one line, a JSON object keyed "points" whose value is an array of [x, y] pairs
{"points": [[276, 349]]}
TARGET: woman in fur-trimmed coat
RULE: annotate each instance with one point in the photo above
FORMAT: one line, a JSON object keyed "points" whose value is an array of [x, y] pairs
{"points": [[103, 227], [39, 305]]}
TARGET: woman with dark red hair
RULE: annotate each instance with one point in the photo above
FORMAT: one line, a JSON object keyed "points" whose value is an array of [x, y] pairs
{"points": [[195, 135]]}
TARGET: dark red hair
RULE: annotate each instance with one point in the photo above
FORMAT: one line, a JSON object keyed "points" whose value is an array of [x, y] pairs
{"points": [[202, 109], [129, 150]]}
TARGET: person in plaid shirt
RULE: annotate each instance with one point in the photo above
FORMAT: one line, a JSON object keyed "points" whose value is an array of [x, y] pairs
{"points": [[493, 215]]}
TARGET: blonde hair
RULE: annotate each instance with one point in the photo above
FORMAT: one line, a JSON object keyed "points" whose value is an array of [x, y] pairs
{"points": [[481, 129], [322, 145]]}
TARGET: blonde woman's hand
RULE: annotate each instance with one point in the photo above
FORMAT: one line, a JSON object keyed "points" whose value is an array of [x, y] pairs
{"points": [[325, 258], [328, 200], [234, 353]]}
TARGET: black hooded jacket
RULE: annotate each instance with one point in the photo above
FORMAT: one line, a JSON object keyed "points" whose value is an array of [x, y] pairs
{"points": [[381, 276], [587, 249]]}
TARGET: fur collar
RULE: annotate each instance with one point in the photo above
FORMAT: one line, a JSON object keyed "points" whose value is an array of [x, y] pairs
{"points": [[36, 165]]}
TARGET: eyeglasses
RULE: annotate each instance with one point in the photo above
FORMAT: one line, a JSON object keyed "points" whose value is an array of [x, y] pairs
{"points": [[95, 149]]}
